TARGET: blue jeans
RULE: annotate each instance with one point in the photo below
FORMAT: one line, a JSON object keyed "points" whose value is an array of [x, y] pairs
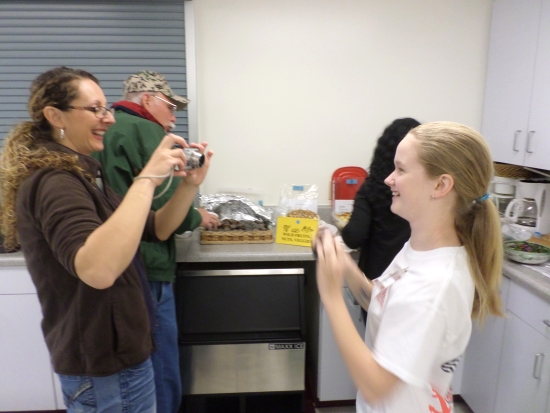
{"points": [[132, 390], [166, 357]]}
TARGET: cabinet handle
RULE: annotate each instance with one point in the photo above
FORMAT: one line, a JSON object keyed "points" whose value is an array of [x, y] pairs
{"points": [[516, 134], [529, 136], [547, 322], [537, 368]]}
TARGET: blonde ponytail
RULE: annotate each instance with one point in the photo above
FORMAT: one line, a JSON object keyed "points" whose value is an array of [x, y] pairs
{"points": [[482, 239], [454, 149]]}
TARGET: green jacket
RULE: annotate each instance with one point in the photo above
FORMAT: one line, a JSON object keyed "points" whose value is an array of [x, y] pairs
{"points": [[128, 145]]}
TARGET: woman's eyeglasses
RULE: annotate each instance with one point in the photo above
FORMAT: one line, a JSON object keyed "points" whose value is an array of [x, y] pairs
{"points": [[99, 111]]}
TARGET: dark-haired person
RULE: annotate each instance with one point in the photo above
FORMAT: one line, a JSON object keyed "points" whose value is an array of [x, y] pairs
{"points": [[373, 227], [80, 240]]}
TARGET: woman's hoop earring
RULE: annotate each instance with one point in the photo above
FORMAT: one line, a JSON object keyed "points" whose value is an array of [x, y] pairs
{"points": [[62, 133]]}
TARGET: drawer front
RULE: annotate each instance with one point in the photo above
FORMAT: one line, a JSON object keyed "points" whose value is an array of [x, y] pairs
{"points": [[530, 308], [241, 305], [243, 368]]}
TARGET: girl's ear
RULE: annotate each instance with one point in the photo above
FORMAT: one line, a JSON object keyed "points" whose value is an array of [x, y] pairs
{"points": [[54, 117], [444, 185]]}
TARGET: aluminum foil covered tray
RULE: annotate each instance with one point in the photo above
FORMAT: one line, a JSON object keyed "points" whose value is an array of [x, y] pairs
{"points": [[242, 221]]}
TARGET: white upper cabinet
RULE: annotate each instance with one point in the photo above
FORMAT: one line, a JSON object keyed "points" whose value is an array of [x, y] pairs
{"points": [[517, 94], [537, 155]]}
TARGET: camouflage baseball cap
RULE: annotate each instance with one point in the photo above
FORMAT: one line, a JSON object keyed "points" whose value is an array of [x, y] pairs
{"points": [[147, 81]]}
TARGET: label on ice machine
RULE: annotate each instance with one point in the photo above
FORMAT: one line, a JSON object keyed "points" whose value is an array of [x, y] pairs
{"points": [[287, 346]]}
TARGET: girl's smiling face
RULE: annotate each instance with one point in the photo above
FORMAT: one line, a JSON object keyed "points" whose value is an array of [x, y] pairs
{"points": [[410, 184]]}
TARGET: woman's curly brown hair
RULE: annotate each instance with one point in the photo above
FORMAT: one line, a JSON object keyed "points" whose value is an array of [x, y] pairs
{"points": [[22, 153]]}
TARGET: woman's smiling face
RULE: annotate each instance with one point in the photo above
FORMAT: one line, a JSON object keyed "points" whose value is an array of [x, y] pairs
{"points": [[411, 186], [83, 131]]}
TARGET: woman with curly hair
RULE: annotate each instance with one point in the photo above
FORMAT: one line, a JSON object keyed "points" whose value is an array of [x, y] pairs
{"points": [[420, 314], [80, 240], [373, 227]]}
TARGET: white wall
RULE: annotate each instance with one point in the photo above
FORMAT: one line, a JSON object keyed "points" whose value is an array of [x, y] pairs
{"points": [[290, 90]]}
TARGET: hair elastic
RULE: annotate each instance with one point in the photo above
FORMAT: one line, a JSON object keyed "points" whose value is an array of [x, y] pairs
{"points": [[482, 198]]}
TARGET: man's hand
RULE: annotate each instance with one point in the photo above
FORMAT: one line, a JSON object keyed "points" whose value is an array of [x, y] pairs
{"points": [[209, 219]]}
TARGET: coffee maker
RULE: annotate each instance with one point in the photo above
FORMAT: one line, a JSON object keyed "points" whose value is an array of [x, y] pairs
{"points": [[530, 209], [503, 191]]}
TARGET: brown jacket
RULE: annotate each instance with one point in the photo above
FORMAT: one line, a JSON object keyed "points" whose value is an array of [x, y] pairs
{"points": [[88, 331]]}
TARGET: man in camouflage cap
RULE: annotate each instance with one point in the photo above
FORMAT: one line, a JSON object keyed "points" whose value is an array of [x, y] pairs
{"points": [[147, 81], [145, 115]]}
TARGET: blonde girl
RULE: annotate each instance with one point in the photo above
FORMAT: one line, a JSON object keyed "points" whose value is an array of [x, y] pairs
{"points": [[421, 307]]}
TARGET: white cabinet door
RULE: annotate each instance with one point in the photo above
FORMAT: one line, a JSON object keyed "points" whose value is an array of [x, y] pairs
{"points": [[333, 381], [538, 144], [510, 66], [525, 369], [25, 371], [26, 381], [482, 361], [481, 366]]}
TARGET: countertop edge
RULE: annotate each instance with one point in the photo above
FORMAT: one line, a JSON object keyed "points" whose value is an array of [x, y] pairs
{"points": [[12, 259], [532, 280], [191, 250]]}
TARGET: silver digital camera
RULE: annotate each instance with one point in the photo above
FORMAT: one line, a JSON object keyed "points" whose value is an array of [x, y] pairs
{"points": [[195, 159]]}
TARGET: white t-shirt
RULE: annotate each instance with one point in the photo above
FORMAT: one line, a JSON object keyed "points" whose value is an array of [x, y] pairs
{"points": [[418, 326]]}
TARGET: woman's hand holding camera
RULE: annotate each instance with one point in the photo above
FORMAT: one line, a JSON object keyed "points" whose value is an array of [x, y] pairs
{"points": [[196, 176], [165, 160], [169, 158]]}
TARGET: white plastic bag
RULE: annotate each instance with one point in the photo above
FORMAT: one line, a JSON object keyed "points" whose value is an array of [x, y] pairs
{"points": [[297, 200]]}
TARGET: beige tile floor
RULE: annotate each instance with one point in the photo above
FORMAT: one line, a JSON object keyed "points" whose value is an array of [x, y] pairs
{"points": [[460, 407]]}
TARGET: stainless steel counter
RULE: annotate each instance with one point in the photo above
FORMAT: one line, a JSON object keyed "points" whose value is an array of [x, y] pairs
{"points": [[190, 250]]}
